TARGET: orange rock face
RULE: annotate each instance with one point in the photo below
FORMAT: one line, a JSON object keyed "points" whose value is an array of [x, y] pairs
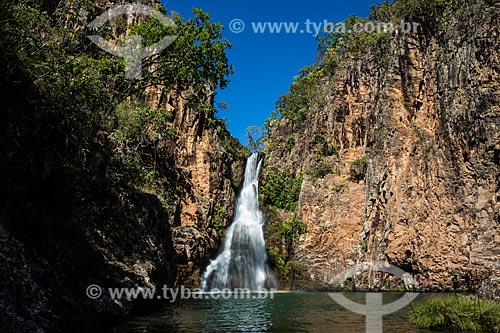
{"points": [[427, 118], [207, 177]]}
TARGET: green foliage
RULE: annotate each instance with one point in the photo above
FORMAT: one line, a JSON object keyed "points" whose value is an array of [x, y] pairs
{"points": [[457, 313], [324, 147], [321, 169], [285, 269], [285, 236], [280, 189], [78, 85], [196, 60], [357, 168], [218, 220], [85, 161], [136, 132], [291, 231], [429, 14], [81, 85], [381, 12], [135, 121], [303, 93], [420, 10], [290, 142], [348, 41]]}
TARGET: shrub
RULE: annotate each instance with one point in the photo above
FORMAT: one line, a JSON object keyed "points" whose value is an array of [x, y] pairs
{"points": [[457, 313], [420, 9], [218, 219], [291, 231], [320, 169], [357, 169], [284, 237], [324, 147], [281, 190], [290, 142], [303, 93]]}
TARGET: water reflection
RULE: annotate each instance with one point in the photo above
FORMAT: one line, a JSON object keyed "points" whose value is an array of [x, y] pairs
{"points": [[309, 312], [241, 316]]}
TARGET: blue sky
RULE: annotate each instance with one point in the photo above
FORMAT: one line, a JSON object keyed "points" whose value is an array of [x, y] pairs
{"points": [[265, 63]]}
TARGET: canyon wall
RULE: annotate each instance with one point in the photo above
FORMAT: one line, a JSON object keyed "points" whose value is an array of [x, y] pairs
{"points": [[413, 177], [209, 165]]}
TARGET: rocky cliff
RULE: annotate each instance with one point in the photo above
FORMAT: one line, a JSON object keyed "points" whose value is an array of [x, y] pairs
{"points": [[209, 164], [104, 181], [399, 149]]}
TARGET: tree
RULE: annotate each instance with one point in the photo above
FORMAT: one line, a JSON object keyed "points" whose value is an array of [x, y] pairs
{"points": [[196, 60]]}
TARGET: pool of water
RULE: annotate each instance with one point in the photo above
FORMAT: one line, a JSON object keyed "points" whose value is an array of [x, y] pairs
{"points": [[284, 312]]}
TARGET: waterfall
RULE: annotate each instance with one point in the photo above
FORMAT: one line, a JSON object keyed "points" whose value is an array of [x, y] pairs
{"points": [[242, 261]]}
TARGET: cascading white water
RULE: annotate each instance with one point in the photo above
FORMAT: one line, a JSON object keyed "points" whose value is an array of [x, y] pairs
{"points": [[242, 261]]}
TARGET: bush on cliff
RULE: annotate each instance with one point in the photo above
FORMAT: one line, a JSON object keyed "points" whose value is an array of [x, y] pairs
{"points": [[281, 190]]}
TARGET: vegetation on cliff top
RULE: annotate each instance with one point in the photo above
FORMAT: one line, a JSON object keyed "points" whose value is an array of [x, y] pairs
{"points": [[90, 104], [305, 92]]}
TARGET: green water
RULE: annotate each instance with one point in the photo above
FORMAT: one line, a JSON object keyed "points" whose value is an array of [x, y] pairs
{"points": [[286, 312]]}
